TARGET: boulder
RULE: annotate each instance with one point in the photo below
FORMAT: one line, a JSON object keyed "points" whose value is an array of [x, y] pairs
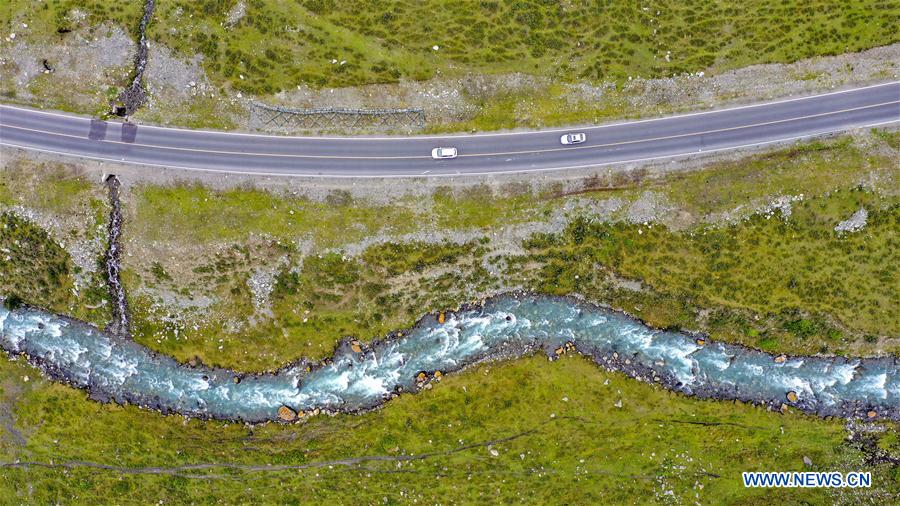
{"points": [[442, 318], [438, 375], [872, 414], [792, 396], [701, 342], [354, 345], [780, 359], [286, 414]]}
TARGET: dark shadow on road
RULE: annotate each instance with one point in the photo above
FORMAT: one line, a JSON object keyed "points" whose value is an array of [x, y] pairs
{"points": [[129, 132], [98, 130]]}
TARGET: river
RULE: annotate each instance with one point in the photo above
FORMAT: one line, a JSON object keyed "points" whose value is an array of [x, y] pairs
{"points": [[355, 378]]}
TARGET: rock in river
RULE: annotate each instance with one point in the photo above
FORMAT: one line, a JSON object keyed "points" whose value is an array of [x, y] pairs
{"points": [[287, 414]]}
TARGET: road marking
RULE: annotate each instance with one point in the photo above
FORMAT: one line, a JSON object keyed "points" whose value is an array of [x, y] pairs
{"points": [[486, 134], [445, 174], [472, 155]]}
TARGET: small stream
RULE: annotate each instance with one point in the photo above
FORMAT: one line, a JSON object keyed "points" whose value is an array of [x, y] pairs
{"points": [[115, 368], [133, 97], [119, 324]]}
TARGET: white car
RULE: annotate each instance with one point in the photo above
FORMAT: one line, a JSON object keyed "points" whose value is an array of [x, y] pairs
{"points": [[573, 138], [443, 153]]}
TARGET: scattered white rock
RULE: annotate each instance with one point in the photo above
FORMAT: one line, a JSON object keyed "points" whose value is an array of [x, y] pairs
{"points": [[854, 223], [236, 13], [782, 204]]}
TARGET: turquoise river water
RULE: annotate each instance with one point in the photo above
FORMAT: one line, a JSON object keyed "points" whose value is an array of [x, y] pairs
{"points": [[114, 368]]}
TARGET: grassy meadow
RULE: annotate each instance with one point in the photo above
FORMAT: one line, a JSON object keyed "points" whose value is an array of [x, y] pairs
{"points": [[278, 45]]}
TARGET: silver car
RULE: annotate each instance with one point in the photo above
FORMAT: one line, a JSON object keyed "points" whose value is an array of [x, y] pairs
{"points": [[443, 153], [576, 138]]}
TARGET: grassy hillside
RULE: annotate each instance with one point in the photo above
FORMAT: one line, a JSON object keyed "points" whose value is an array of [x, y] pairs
{"points": [[278, 45], [482, 65]]}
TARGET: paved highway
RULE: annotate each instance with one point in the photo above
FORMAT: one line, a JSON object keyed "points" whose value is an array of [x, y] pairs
{"points": [[672, 136]]}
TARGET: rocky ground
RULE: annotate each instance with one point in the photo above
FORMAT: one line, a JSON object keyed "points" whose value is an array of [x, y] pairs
{"points": [[447, 101], [81, 75]]}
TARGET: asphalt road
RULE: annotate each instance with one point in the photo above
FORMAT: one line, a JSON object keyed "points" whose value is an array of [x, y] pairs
{"points": [[673, 136]]}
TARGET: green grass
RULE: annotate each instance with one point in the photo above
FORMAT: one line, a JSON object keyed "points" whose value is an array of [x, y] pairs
{"points": [[278, 45], [809, 169], [46, 187], [6, 197], [33, 267], [196, 213], [570, 445], [50, 20]]}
